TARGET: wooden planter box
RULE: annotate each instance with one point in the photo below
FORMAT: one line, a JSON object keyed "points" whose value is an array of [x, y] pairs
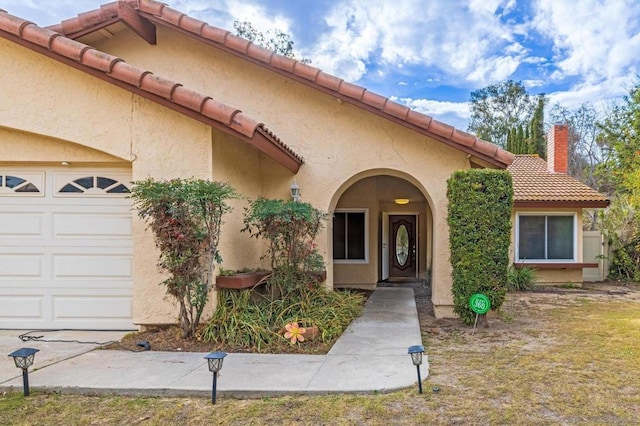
{"points": [[242, 280]]}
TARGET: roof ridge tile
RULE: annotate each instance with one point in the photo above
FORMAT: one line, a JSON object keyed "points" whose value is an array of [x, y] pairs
{"points": [[171, 15], [236, 43], [99, 60], [260, 53], [306, 71], [158, 85], [215, 34], [149, 6], [397, 110], [66, 47], [16, 24], [191, 24], [32, 34]]}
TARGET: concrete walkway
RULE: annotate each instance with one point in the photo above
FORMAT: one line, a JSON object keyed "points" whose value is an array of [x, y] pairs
{"points": [[371, 356]]}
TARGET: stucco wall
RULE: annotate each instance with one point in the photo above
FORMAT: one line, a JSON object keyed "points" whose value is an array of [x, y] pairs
{"points": [[28, 147], [251, 174], [53, 112], [341, 143]]}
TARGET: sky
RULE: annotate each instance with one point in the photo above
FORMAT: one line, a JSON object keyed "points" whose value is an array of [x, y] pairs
{"points": [[431, 54]]}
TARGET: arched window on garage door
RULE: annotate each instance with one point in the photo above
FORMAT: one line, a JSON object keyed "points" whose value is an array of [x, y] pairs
{"points": [[17, 184], [94, 184]]}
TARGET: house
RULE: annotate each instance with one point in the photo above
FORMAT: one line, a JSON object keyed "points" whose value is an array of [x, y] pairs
{"points": [[137, 89], [548, 233]]}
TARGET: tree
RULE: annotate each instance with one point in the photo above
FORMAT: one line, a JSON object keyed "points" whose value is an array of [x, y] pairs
{"points": [[185, 216], [273, 39], [585, 153], [498, 108], [536, 126], [620, 142]]}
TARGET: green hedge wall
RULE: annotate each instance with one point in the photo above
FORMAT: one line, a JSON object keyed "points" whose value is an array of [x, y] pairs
{"points": [[479, 217]]}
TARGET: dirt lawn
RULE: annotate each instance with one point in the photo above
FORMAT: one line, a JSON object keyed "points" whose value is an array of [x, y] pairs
{"points": [[521, 318], [553, 356]]}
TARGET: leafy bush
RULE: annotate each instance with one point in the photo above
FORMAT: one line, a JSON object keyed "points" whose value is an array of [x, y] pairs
{"points": [[520, 279], [479, 218], [625, 261], [185, 216], [290, 228], [621, 223], [256, 323]]}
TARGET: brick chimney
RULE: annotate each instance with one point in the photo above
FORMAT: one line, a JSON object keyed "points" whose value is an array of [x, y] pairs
{"points": [[558, 149]]}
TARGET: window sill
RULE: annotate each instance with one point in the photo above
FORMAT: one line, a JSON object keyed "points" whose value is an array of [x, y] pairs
{"points": [[550, 265]]}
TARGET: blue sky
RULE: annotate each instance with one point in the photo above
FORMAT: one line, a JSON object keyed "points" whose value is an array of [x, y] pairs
{"points": [[430, 54]]}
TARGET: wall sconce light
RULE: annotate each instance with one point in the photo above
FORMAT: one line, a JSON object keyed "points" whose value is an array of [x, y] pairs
{"points": [[214, 360], [23, 358], [295, 191], [416, 358], [401, 201]]}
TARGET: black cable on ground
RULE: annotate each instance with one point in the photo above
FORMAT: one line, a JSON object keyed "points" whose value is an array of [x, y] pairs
{"points": [[27, 337]]}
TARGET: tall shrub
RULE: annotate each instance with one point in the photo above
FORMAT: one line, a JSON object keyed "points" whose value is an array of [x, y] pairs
{"points": [[479, 218], [290, 228], [185, 216]]}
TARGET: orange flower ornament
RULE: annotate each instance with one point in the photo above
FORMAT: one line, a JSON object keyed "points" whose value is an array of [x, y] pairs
{"points": [[294, 333]]}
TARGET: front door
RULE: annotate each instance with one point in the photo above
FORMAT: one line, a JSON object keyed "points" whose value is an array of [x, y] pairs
{"points": [[402, 244]]}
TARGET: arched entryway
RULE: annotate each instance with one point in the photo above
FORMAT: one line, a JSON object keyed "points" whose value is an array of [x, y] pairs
{"points": [[381, 230]]}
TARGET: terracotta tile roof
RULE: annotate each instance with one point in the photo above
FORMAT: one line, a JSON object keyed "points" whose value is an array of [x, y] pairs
{"points": [[159, 13], [535, 186], [143, 82]]}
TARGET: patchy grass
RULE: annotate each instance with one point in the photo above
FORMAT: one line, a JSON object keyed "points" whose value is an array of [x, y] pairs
{"points": [[570, 359]]}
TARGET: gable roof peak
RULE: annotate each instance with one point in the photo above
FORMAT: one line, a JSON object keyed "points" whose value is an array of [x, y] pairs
{"points": [[144, 83], [161, 14]]}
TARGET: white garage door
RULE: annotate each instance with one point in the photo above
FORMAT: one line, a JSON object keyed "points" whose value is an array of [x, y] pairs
{"points": [[66, 252]]}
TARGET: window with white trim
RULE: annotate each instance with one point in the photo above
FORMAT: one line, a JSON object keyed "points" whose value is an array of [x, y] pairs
{"points": [[546, 238], [350, 237]]}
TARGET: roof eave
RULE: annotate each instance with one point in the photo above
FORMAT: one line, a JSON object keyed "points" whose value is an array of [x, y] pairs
{"points": [[258, 139], [586, 204], [502, 161]]}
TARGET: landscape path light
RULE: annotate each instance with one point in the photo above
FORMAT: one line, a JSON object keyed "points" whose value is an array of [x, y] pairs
{"points": [[215, 364], [23, 359], [416, 357]]}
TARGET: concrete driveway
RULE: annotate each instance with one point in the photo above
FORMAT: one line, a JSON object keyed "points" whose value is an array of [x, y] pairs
{"points": [[55, 346]]}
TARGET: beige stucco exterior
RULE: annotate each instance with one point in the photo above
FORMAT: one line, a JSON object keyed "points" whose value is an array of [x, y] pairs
{"points": [[354, 159], [53, 113], [344, 147]]}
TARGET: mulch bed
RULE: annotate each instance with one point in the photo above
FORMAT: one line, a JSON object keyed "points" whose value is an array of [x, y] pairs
{"points": [[169, 339]]}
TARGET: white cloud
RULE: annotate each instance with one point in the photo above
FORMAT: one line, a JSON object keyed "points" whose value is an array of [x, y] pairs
{"points": [[261, 18], [593, 39], [466, 41], [453, 113], [460, 44], [595, 93], [533, 83]]}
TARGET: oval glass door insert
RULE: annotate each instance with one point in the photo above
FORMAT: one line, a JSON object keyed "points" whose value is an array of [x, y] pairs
{"points": [[402, 245]]}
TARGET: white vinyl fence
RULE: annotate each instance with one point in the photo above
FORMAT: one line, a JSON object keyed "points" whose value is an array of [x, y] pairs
{"points": [[595, 249]]}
